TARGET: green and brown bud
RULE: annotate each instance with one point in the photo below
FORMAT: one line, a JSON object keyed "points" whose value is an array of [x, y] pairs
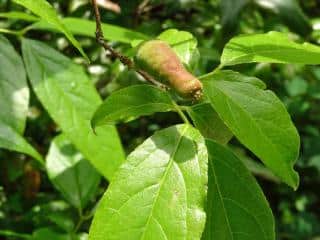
{"points": [[160, 61]]}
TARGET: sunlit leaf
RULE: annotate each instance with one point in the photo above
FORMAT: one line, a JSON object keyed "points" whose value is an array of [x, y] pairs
{"points": [[159, 192]]}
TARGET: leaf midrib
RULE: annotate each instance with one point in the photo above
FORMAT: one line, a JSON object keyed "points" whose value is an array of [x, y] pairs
{"points": [[171, 161], [229, 99]]}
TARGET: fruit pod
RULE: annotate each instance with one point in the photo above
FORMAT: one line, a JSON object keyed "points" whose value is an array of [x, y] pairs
{"points": [[160, 61]]}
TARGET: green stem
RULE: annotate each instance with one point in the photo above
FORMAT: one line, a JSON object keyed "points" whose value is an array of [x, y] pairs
{"points": [[180, 112], [9, 233]]}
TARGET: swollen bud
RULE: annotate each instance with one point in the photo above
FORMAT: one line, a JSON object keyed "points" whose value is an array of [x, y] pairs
{"points": [[160, 61]]}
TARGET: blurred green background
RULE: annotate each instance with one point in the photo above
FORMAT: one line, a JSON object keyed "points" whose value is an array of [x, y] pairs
{"points": [[29, 203]]}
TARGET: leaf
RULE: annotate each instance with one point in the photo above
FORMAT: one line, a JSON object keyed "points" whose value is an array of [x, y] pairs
{"points": [[230, 13], [44, 10], [14, 101], [208, 122], [66, 165], [272, 47], [19, 15], [70, 98], [130, 103], [183, 43], [87, 28], [289, 12], [49, 233], [14, 91], [229, 75], [10, 139], [235, 199], [260, 121], [159, 192]]}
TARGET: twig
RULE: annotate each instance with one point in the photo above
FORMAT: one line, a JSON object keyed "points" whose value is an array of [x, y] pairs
{"points": [[124, 59]]}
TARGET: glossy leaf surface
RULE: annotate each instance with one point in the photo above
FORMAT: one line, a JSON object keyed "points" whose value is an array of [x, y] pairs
{"points": [[159, 192], [272, 47], [260, 121], [130, 103]]}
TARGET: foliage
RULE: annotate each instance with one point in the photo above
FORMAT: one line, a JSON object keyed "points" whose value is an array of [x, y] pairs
{"points": [[190, 165]]}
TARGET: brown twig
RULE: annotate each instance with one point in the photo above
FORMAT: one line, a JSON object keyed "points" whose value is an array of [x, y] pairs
{"points": [[124, 59]]}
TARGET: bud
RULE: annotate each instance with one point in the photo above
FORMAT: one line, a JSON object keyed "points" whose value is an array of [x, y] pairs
{"points": [[160, 61]]}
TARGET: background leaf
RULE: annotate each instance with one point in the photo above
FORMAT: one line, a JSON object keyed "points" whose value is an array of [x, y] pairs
{"points": [[289, 12], [71, 173], [14, 91], [14, 101], [19, 15], [184, 44], [260, 121], [230, 13], [70, 98], [44, 10], [159, 192], [87, 28], [272, 47], [208, 122], [130, 103], [235, 198]]}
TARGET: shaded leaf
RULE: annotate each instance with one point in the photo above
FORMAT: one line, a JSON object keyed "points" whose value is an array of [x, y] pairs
{"points": [[11, 140], [70, 98], [130, 103], [159, 192], [208, 122], [14, 101], [49, 233], [235, 199], [14, 91], [272, 47], [44, 10], [65, 164], [289, 12], [230, 13], [260, 121]]}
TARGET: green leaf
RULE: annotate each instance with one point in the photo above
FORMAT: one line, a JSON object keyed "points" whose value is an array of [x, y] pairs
{"points": [[159, 192], [130, 103], [272, 47], [87, 28], [44, 10], [20, 16], [49, 233], [208, 122], [183, 43], [65, 164], [289, 12], [229, 75], [14, 101], [236, 206], [230, 13], [14, 91], [70, 98], [260, 121], [10, 139]]}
